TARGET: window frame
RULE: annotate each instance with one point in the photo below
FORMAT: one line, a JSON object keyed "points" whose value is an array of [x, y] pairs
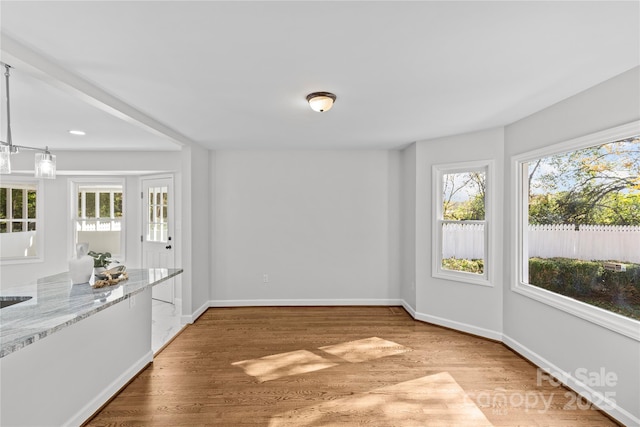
{"points": [[39, 220], [599, 316], [438, 171], [74, 187]]}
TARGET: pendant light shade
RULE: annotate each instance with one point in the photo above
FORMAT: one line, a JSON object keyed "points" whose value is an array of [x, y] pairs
{"points": [[5, 160], [45, 166], [321, 101]]}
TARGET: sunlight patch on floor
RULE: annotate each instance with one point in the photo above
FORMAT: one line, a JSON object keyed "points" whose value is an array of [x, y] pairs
{"points": [[285, 364], [434, 400], [365, 349]]}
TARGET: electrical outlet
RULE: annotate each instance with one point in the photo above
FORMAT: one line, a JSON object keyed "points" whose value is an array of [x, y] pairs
{"points": [[132, 301], [265, 278]]}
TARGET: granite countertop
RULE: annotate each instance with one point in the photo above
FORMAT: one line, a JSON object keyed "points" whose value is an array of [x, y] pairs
{"points": [[56, 303]]}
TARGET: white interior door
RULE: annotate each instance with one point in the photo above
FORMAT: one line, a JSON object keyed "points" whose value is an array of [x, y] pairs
{"points": [[157, 231]]}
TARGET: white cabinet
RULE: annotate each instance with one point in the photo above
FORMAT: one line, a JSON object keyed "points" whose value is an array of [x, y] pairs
{"points": [[63, 379]]}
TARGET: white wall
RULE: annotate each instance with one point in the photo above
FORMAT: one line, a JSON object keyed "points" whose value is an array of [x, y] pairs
{"points": [[323, 225], [194, 228], [543, 333], [56, 225], [468, 307], [408, 227]]}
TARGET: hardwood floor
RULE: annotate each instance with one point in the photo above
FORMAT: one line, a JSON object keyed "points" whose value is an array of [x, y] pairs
{"points": [[325, 366]]}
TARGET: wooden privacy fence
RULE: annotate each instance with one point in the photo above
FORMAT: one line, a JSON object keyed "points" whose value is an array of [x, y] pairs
{"points": [[463, 241], [590, 242]]}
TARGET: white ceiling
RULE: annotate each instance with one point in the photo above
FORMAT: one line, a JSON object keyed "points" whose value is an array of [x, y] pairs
{"points": [[234, 75]]}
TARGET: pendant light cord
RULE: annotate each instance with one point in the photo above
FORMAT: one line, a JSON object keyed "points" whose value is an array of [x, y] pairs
{"points": [[6, 77]]}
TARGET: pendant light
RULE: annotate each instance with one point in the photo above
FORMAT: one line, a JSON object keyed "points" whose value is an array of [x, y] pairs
{"points": [[45, 162]]}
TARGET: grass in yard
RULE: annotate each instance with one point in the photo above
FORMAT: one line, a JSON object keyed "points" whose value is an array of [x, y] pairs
{"points": [[463, 264]]}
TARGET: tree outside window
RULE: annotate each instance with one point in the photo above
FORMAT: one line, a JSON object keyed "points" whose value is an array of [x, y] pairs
{"points": [[583, 228]]}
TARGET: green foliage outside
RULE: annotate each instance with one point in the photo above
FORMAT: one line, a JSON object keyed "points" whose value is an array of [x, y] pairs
{"points": [[589, 282], [104, 202], [612, 209], [463, 196], [466, 265], [594, 185], [15, 210]]}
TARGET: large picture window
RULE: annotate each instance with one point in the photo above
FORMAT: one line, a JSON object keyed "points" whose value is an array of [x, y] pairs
{"points": [[461, 226], [579, 226], [20, 216], [98, 216]]}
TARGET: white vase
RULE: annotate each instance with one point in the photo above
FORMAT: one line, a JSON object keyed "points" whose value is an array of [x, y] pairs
{"points": [[81, 267]]}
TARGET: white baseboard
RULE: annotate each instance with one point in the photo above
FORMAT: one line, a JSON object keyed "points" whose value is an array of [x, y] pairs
{"points": [[459, 326], [94, 404], [606, 404], [190, 318], [409, 308], [302, 302]]}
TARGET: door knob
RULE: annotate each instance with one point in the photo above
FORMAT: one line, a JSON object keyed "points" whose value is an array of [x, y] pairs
{"points": [[168, 247]]}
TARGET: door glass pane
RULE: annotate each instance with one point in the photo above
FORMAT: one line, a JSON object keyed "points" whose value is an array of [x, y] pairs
{"points": [[16, 227], [157, 229]]}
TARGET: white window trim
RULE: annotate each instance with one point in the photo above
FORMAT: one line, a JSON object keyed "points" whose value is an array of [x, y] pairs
{"points": [[74, 183], [486, 279], [607, 319], [40, 231]]}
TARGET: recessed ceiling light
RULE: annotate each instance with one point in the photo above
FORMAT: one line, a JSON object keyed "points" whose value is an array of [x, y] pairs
{"points": [[77, 132]]}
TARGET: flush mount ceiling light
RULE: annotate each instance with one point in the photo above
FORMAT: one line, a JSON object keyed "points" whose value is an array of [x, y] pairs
{"points": [[321, 101], [45, 162], [77, 132]]}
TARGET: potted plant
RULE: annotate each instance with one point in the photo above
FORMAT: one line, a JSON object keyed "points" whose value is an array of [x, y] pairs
{"points": [[101, 260]]}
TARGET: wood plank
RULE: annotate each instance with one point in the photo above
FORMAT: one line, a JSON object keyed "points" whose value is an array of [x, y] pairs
{"points": [[441, 378]]}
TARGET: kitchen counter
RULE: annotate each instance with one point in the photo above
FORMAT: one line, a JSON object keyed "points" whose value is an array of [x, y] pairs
{"points": [[70, 348], [56, 304]]}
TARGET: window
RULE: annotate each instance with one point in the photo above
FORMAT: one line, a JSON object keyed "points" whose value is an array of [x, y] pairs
{"points": [[579, 227], [98, 216], [461, 212], [20, 214]]}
